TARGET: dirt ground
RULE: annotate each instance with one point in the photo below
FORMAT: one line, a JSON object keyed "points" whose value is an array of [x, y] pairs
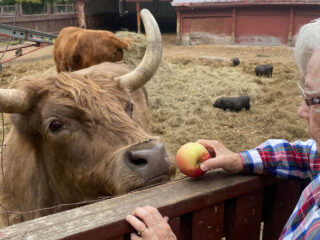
{"points": [[191, 78]]}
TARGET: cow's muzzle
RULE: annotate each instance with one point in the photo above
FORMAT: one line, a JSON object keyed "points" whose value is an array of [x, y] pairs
{"points": [[152, 164]]}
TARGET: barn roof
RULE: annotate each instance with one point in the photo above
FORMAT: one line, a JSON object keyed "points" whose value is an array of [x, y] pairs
{"points": [[240, 2]]}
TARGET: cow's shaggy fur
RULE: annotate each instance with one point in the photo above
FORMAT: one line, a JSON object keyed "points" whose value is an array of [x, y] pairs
{"points": [[76, 48]]}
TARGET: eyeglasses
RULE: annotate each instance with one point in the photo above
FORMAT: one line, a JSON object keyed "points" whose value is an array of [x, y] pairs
{"points": [[309, 101], [312, 101]]}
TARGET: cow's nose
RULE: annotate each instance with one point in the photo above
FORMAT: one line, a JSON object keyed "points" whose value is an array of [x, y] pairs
{"points": [[152, 164]]}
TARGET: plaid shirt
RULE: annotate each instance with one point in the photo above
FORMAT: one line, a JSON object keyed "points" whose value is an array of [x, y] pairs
{"points": [[292, 160]]}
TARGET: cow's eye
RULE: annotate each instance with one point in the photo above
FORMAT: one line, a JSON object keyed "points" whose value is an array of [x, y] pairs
{"points": [[56, 126], [129, 108]]}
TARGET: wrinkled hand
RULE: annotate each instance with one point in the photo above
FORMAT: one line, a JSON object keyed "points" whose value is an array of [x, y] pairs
{"points": [[224, 158], [150, 225]]}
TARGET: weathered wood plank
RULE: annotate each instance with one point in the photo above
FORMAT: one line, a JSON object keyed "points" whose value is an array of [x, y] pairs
{"points": [[117, 238], [107, 218], [175, 226], [52, 23], [185, 232], [208, 223], [244, 219], [279, 204], [126, 237]]}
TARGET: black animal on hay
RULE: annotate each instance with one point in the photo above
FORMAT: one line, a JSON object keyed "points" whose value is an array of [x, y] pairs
{"points": [[233, 103], [235, 61], [264, 70]]}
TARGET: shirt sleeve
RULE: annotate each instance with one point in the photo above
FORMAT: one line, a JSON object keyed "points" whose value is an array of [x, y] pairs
{"points": [[278, 157], [313, 230]]}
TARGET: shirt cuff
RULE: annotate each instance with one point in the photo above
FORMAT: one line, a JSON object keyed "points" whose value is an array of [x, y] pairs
{"points": [[251, 161]]}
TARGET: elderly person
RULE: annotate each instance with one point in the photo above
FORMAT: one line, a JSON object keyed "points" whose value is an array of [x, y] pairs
{"points": [[277, 157]]}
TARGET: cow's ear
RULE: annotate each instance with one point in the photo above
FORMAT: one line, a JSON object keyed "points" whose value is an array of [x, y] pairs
{"points": [[13, 101]]}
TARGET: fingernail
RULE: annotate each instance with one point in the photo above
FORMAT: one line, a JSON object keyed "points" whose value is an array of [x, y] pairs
{"points": [[203, 167]]}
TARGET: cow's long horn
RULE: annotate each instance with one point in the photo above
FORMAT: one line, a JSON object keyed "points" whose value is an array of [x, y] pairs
{"points": [[152, 57], [13, 101]]}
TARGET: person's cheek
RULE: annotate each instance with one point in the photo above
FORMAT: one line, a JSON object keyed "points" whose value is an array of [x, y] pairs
{"points": [[316, 117], [314, 124]]}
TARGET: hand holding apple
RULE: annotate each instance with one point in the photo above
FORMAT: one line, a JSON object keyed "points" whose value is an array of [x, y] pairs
{"points": [[189, 157], [222, 157]]}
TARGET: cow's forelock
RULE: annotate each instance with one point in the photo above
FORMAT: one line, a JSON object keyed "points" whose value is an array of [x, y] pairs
{"points": [[97, 100]]}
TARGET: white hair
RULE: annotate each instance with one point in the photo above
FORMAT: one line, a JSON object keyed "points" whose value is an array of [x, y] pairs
{"points": [[307, 41]]}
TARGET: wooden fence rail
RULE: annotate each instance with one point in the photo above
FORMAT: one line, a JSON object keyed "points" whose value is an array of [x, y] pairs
{"points": [[50, 9], [63, 8], [214, 206], [7, 10], [52, 20]]}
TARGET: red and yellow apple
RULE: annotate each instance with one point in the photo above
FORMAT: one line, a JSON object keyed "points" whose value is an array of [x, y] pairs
{"points": [[189, 157]]}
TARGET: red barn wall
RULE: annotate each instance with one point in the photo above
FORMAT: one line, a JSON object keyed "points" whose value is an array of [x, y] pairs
{"points": [[250, 25], [207, 26], [262, 25], [304, 15]]}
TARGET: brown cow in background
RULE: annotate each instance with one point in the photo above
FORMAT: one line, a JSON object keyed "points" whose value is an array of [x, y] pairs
{"points": [[77, 136], [77, 48]]}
